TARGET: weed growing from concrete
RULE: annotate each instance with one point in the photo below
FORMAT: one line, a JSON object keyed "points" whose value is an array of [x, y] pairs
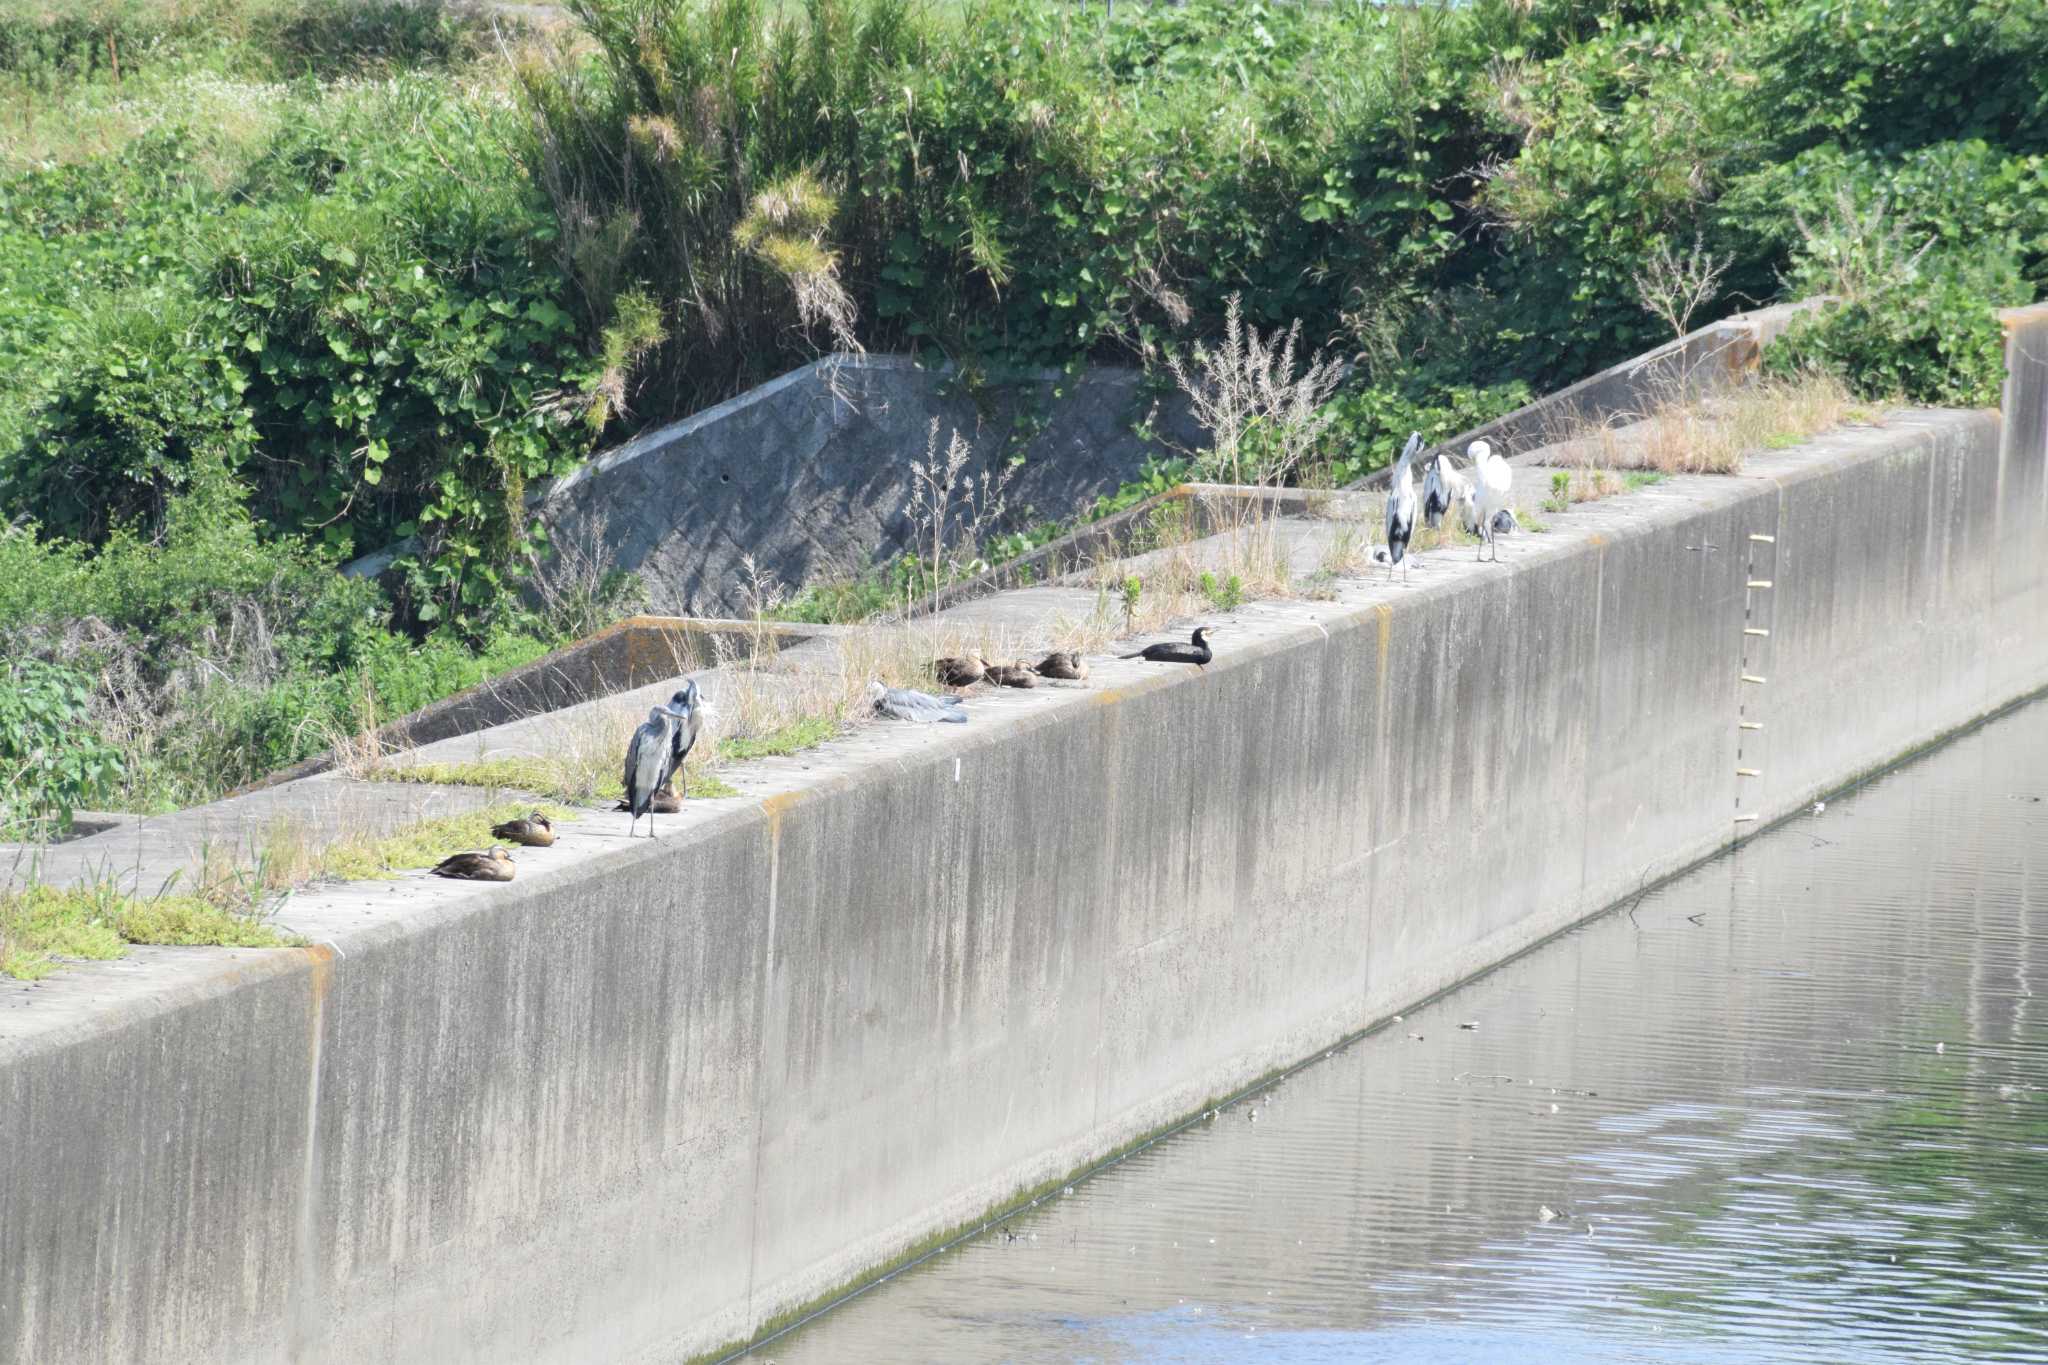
{"points": [[44, 928], [1713, 434]]}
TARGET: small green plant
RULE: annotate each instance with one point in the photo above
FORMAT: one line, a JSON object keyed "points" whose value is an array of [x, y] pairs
{"points": [[1643, 478], [541, 776], [1224, 594], [1560, 491], [41, 927], [808, 732], [1134, 588]]}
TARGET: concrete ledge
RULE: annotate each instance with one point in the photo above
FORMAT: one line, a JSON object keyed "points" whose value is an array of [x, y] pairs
{"points": [[655, 1093]]}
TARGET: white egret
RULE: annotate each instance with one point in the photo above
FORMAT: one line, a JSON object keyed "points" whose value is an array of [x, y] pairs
{"points": [[1492, 483]]}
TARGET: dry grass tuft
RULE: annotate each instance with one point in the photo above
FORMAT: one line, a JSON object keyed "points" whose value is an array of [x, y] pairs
{"points": [[1713, 434]]}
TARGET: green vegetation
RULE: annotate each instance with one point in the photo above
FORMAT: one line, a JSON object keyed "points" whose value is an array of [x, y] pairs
{"points": [[282, 281], [806, 732], [40, 926], [557, 778], [420, 844]]}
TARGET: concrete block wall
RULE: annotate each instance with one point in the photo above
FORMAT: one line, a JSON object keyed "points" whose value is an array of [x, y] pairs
{"points": [[654, 1094], [810, 474]]}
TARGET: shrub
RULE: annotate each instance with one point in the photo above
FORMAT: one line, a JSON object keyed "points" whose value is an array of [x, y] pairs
{"points": [[1910, 317], [51, 761]]}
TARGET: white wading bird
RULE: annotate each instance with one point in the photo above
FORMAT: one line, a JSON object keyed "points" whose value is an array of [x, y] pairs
{"points": [[1401, 506], [1492, 483]]}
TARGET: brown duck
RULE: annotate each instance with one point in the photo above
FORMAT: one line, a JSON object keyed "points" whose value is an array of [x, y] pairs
{"points": [[1064, 663], [964, 671], [663, 802], [535, 831], [1011, 675], [495, 866]]}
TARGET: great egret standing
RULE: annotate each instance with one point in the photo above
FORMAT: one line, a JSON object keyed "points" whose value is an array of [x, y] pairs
{"points": [[1401, 506], [1492, 483], [648, 755]]}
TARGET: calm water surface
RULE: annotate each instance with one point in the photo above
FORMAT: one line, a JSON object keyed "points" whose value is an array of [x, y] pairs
{"points": [[1793, 1107]]}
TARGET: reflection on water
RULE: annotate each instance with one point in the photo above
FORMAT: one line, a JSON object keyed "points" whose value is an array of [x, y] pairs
{"points": [[1791, 1107]]}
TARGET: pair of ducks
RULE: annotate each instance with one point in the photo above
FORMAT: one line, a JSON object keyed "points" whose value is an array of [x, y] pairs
{"points": [[534, 831], [971, 668]]}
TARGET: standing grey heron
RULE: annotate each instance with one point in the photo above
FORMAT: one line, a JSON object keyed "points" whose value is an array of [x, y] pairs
{"points": [[689, 706], [1401, 506], [648, 756], [1443, 488]]}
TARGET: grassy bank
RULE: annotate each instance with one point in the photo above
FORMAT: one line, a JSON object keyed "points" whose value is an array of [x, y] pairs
{"points": [[282, 281]]}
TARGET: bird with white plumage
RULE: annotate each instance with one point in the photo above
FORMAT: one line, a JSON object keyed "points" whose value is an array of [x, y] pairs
{"points": [[1493, 483]]}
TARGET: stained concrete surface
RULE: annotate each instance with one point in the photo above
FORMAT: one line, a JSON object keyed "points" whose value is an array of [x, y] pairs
{"points": [[656, 1092]]}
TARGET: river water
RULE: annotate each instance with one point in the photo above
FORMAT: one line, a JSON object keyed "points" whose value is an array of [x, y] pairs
{"points": [[1790, 1107]]}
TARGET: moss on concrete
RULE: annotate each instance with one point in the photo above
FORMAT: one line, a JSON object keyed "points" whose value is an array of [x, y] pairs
{"points": [[43, 929]]}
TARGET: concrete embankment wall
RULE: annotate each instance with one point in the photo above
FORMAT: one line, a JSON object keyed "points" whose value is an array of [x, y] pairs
{"points": [[652, 1095]]}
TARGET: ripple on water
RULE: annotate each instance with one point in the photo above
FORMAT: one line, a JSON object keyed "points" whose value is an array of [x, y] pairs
{"points": [[1794, 1108]]}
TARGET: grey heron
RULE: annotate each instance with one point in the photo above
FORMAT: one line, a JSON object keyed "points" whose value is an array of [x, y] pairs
{"points": [[907, 703], [1401, 506], [648, 758]]}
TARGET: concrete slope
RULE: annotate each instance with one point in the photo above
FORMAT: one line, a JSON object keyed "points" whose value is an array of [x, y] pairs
{"points": [[654, 1094]]}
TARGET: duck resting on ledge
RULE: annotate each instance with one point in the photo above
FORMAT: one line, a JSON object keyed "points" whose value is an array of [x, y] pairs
{"points": [[495, 866]]}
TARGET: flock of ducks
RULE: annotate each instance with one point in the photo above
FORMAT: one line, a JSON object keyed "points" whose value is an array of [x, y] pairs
{"points": [[655, 754], [965, 670]]}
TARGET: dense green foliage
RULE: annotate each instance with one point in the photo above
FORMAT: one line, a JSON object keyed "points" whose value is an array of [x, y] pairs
{"points": [[282, 281], [51, 760]]}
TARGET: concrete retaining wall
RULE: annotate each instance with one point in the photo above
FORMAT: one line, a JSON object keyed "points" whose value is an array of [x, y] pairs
{"points": [[810, 474], [653, 1094]]}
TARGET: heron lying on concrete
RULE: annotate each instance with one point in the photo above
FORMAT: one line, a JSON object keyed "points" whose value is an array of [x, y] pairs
{"points": [[906, 703]]}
